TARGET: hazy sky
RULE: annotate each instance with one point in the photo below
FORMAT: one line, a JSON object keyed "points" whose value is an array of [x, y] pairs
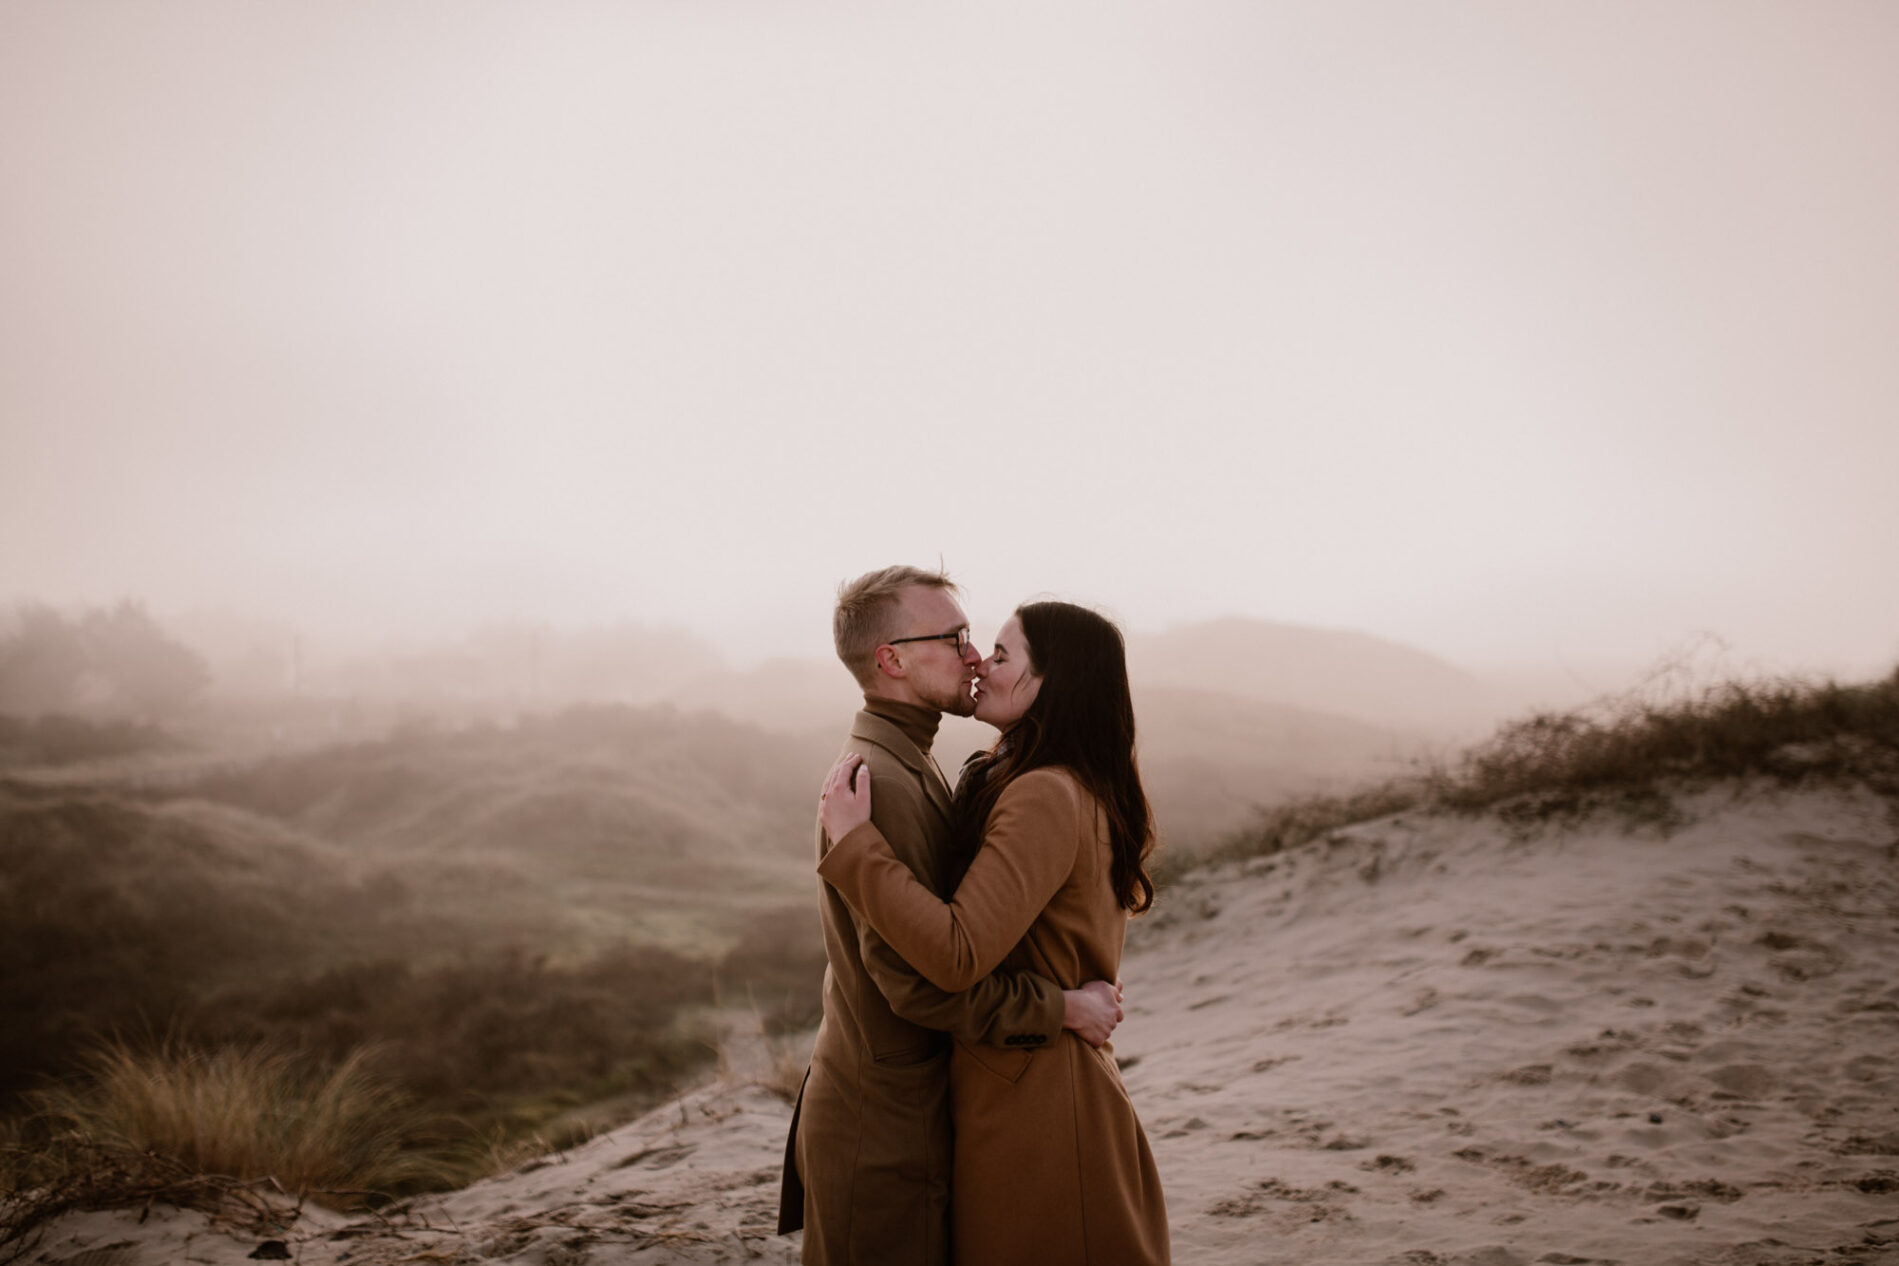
{"points": [[1514, 331]]}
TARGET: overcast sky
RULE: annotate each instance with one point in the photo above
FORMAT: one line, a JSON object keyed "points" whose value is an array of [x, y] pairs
{"points": [[1518, 332]]}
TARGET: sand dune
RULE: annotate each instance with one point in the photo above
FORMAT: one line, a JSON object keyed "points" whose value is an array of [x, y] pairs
{"points": [[1424, 1040]]}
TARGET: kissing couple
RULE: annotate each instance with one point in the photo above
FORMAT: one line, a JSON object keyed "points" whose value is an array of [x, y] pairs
{"points": [[963, 1103]]}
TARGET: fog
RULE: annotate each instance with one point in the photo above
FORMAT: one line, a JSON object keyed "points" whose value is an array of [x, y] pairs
{"points": [[1540, 338]]}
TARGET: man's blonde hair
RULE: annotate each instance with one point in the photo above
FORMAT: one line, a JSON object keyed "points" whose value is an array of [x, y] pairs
{"points": [[866, 613]]}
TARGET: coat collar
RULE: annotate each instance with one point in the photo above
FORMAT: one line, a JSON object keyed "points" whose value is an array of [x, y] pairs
{"points": [[874, 729]]}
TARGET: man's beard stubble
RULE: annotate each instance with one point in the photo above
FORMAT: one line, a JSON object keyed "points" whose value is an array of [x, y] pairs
{"points": [[957, 703]]}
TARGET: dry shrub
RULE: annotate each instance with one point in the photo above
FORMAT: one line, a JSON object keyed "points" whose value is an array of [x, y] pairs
{"points": [[465, 1037], [246, 1114], [52, 1177], [1786, 729], [1623, 754], [789, 1058], [779, 963]]}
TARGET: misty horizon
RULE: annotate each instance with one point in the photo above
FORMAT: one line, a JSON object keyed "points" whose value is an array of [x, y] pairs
{"points": [[683, 653], [1408, 692], [1545, 341]]}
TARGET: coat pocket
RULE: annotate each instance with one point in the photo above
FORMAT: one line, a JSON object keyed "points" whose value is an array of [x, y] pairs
{"points": [[999, 1062]]}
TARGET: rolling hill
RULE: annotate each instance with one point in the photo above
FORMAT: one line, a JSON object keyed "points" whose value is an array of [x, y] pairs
{"points": [[1355, 675]]}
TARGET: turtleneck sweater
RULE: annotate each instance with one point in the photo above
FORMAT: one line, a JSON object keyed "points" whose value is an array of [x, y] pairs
{"points": [[917, 722]]}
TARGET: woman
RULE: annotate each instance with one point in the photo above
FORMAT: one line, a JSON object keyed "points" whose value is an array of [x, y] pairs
{"points": [[1050, 1165]]}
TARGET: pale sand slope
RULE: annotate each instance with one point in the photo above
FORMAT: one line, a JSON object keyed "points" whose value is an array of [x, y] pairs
{"points": [[1420, 1041]]}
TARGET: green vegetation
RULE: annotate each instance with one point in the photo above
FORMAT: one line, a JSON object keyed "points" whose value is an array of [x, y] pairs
{"points": [[499, 1030], [1621, 754], [494, 927]]}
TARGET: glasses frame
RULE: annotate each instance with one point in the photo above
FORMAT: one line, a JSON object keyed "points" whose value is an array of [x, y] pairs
{"points": [[959, 636]]}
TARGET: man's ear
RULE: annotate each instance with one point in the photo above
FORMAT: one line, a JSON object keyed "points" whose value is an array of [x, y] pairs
{"points": [[890, 661]]}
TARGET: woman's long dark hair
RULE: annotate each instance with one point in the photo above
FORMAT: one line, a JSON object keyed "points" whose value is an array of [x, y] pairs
{"points": [[1083, 720]]}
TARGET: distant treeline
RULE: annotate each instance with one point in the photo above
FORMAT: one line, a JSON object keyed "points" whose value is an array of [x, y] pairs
{"points": [[108, 661]]}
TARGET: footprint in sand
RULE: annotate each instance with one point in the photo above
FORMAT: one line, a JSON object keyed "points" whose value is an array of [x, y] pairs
{"points": [[1489, 1255], [1694, 1190], [1645, 1079], [1869, 1145], [658, 1157], [1528, 1075], [1744, 1081], [1288, 1205]]}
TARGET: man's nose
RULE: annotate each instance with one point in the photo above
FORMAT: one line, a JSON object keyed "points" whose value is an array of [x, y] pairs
{"points": [[971, 656]]}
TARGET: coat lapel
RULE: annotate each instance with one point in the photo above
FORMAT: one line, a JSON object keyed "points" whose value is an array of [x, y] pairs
{"points": [[874, 729]]}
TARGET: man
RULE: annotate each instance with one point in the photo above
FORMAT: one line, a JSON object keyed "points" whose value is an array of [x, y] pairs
{"points": [[867, 1164]]}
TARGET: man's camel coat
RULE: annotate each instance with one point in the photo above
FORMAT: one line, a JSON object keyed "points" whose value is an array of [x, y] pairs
{"points": [[1051, 1168], [867, 1166]]}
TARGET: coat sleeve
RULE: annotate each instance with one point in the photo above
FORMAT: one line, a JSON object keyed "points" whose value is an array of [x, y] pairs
{"points": [[1014, 1009], [1029, 849]]}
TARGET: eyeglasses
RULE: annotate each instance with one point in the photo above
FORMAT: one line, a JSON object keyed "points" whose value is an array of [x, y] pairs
{"points": [[960, 637]]}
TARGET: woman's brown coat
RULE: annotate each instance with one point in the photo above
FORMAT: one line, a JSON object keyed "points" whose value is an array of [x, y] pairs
{"points": [[1050, 1165]]}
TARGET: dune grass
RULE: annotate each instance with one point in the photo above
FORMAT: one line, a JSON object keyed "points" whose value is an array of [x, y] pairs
{"points": [[1277, 828], [1623, 754], [245, 1113], [244, 1134], [43, 1179], [1786, 729], [502, 916]]}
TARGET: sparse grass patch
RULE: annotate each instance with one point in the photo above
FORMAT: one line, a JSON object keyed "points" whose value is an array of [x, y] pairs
{"points": [[525, 925], [1789, 730], [52, 1177], [245, 1135], [248, 1114], [779, 962], [1624, 755], [1298, 822], [789, 1058]]}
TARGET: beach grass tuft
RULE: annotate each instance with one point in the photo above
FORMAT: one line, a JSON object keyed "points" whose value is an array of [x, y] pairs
{"points": [[246, 1113], [1623, 754], [1787, 729], [246, 1135]]}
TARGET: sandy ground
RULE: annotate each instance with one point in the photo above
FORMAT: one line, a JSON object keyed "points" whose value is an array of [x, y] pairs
{"points": [[1427, 1040], [1424, 1041]]}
